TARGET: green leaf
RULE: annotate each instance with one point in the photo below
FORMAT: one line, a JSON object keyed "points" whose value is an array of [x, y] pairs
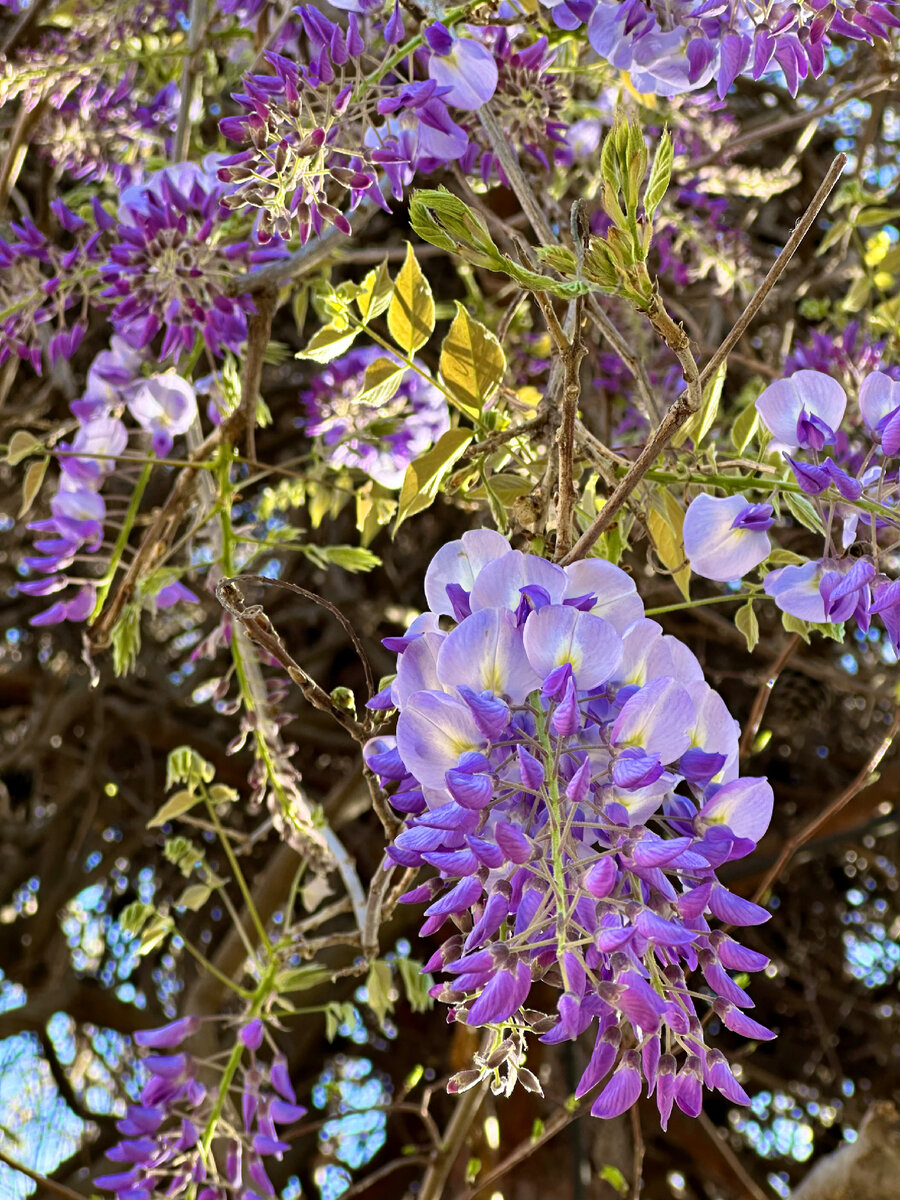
{"points": [[660, 174], [194, 897], [877, 216], [375, 506], [21, 444], [155, 934], [614, 1177], [701, 422], [424, 475], [803, 511], [135, 916], [782, 558], [665, 520], [299, 979], [377, 288], [415, 984], [472, 362], [378, 989], [411, 313], [380, 382], [31, 484], [349, 558], [328, 342], [744, 428], [175, 806], [125, 638], [746, 622]]}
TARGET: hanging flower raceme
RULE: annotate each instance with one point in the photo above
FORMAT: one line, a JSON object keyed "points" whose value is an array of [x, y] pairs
{"points": [[573, 780], [179, 1141]]}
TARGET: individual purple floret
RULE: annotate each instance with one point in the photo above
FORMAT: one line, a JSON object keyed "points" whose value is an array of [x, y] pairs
{"points": [[379, 438], [163, 1150], [803, 411], [724, 539], [572, 779]]}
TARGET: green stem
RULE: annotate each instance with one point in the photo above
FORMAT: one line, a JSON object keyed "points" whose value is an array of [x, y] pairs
{"points": [[238, 874], [653, 612], [121, 541]]}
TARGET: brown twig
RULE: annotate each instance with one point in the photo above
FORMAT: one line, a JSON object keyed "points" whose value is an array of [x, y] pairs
{"points": [[862, 781], [566, 495], [777, 269], [638, 1153], [260, 630], [58, 1189], [467, 1106], [259, 331], [761, 699], [677, 414], [714, 1135]]}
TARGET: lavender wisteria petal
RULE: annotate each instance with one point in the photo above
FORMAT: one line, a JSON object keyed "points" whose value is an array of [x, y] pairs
{"points": [[719, 541], [783, 403]]}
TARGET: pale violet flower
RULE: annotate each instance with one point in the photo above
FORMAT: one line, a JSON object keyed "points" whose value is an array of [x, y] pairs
{"points": [[165, 405], [879, 404], [464, 66], [796, 590], [804, 410], [725, 538]]}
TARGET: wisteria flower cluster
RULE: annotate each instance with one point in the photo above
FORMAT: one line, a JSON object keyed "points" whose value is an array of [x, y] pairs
{"points": [[572, 779], [379, 439], [853, 486], [183, 1139], [673, 48], [164, 406]]}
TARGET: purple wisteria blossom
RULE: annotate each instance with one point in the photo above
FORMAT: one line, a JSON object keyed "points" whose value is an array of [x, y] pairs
{"points": [[724, 539], [573, 780], [170, 261], [165, 405], [163, 1151], [676, 47], [803, 411], [379, 438]]}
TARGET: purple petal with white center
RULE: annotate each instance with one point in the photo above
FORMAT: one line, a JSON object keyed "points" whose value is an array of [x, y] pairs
{"points": [[432, 733], [795, 589], [500, 582], [744, 805], [782, 402], [656, 718], [879, 397], [616, 601], [560, 634], [469, 70], [485, 652], [714, 547], [461, 562]]}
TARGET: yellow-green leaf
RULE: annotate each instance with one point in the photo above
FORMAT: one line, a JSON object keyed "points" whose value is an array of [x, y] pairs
{"points": [[31, 484], [378, 989], [375, 296], [472, 362], [194, 897], [744, 428], [423, 476], [327, 343], [175, 806], [20, 445], [665, 520], [701, 422], [411, 313], [746, 622], [381, 380]]}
